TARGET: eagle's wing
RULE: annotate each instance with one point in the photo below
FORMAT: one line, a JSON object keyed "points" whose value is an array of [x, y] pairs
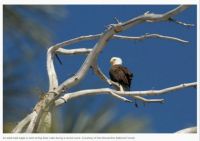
{"points": [[119, 74], [129, 75]]}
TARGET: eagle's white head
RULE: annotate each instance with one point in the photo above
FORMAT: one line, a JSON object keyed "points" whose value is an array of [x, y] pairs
{"points": [[115, 61]]}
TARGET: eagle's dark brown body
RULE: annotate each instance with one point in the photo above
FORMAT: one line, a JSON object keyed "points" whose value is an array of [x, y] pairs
{"points": [[122, 75]]}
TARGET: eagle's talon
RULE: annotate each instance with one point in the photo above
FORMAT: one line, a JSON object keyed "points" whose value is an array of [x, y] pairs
{"points": [[121, 88], [129, 101]]}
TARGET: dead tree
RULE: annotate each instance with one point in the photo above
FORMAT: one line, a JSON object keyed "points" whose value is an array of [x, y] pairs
{"points": [[39, 120]]}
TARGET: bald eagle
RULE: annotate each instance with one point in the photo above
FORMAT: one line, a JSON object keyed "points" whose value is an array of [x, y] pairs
{"points": [[120, 74]]}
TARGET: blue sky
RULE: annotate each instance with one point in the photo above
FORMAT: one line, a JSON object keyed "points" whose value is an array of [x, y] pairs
{"points": [[156, 63]]}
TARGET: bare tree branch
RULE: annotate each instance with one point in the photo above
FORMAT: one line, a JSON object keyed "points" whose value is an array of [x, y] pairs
{"points": [[31, 126], [151, 17], [188, 130], [175, 11], [73, 51], [73, 41], [76, 94], [53, 80], [135, 38], [128, 24], [22, 124], [57, 47]]}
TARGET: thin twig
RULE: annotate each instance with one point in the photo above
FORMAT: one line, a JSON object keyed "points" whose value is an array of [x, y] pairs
{"points": [[147, 36], [180, 22], [149, 100]]}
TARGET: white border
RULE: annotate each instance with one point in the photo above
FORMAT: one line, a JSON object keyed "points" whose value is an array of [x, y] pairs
{"points": [[120, 2], [198, 70], [1, 69], [101, 137], [138, 137]]}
